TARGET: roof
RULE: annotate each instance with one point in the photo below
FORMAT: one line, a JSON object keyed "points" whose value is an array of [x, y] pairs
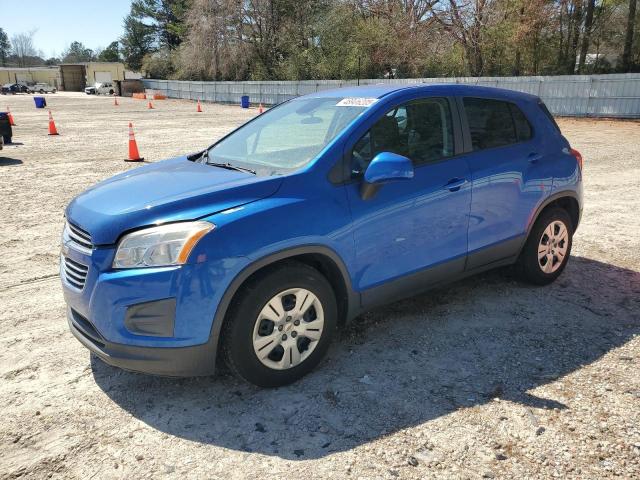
{"points": [[382, 90], [27, 69], [90, 63]]}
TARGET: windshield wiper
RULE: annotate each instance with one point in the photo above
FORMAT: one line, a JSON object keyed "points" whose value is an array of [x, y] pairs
{"points": [[228, 166], [204, 158]]}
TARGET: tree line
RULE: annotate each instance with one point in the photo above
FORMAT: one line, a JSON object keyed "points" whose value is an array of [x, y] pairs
{"points": [[20, 51], [345, 39]]}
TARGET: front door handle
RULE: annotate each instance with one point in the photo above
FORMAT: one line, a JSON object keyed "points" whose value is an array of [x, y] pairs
{"points": [[534, 157], [454, 184]]}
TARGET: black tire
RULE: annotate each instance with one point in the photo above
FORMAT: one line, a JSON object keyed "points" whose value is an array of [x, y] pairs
{"points": [[41, 91], [237, 333], [528, 266]]}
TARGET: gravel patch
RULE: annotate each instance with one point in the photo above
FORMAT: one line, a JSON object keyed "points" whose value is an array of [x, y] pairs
{"points": [[486, 378]]}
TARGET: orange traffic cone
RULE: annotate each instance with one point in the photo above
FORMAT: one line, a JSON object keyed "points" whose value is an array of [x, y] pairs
{"points": [[52, 125], [11, 122], [261, 109], [150, 105], [134, 155], [115, 101], [199, 109]]}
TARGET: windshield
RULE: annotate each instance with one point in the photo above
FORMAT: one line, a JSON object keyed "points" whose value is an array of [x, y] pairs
{"points": [[289, 136]]}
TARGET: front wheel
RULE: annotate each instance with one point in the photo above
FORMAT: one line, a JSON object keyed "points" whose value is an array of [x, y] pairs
{"points": [[548, 247], [280, 326]]}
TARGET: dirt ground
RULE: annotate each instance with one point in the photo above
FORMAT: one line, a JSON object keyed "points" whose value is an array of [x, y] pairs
{"points": [[487, 378]]}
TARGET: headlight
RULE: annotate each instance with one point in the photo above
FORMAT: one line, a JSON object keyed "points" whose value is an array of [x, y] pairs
{"points": [[160, 246]]}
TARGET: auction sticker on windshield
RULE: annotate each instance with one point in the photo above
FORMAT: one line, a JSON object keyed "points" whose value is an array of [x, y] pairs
{"points": [[356, 102]]}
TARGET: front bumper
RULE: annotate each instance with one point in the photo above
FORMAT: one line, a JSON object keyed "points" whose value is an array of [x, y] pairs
{"points": [[173, 362], [151, 320]]}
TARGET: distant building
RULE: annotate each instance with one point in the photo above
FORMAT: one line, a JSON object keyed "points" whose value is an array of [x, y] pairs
{"points": [[50, 75], [592, 59], [76, 76], [72, 77]]}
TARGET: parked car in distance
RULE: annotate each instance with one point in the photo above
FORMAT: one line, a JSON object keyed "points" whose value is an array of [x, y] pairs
{"points": [[105, 88], [13, 88], [323, 207], [42, 88]]}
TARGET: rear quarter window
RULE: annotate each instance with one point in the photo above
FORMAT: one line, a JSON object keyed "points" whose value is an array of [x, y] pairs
{"points": [[547, 113]]}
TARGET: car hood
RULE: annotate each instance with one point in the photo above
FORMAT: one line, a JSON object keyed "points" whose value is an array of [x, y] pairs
{"points": [[168, 191]]}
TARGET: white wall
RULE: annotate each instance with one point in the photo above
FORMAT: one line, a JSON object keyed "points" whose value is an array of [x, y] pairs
{"points": [[613, 95]]}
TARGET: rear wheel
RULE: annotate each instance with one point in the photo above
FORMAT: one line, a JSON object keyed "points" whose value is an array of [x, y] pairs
{"points": [[281, 325], [548, 247]]}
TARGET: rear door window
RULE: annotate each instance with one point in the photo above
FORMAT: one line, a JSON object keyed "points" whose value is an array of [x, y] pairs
{"points": [[495, 123]]}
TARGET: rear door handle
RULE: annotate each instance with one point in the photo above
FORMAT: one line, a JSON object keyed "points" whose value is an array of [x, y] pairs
{"points": [[534, 157], [454, 184]]}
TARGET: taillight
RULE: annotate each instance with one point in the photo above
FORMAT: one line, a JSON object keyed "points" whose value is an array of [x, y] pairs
{"points": [[578, 157]]}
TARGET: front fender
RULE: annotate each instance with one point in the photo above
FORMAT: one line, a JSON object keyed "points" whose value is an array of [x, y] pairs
{"points": [[283, 226]]}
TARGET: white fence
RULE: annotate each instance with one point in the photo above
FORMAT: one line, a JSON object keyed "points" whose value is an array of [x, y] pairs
{"points": [[614, 95]]}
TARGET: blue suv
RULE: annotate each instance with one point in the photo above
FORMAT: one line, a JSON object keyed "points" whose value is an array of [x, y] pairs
{"points": [[327, 205]]}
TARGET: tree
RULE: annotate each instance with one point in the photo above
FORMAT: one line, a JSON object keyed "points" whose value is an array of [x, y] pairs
{"points": [[213, 47], [626, 62], [5, 47], [157, 64], [77, 53], [466, 22], [576, 22], [164, 17], [22, 47], [586, 36], [110, 54], [136, 42]]}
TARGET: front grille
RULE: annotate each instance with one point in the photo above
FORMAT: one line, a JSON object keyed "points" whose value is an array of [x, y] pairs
{"points": [[75, 273], [79, 236]]}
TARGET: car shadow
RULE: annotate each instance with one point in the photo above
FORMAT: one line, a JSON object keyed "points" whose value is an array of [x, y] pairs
{"points": [[405, 364], [9, 161]]}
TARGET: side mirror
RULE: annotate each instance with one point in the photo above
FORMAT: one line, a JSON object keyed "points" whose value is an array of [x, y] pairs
{"points": [[384, 168]]}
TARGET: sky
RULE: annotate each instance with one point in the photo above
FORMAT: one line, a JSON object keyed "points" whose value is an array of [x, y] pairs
{"points": [[60, 22]]}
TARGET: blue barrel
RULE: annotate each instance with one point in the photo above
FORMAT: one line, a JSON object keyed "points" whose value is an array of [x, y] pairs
{"points": [[5, 127], [40, 102], [244, 101]]}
